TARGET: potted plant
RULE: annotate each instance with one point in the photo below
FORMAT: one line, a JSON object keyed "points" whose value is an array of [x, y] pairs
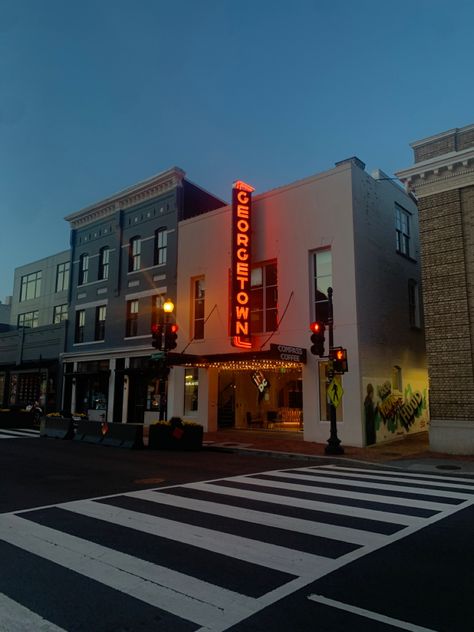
{"points": [[175, 434]]}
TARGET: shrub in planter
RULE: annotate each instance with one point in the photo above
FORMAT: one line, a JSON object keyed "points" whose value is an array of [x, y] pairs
{"points": [[175, 434]]}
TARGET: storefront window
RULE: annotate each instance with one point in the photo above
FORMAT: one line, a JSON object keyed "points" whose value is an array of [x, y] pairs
{"points": [[191, 386]]}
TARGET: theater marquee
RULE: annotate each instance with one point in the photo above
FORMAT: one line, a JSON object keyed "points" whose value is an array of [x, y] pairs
{"points": [[241, 264]]}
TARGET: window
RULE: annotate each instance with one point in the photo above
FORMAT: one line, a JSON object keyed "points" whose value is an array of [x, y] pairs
{"points": [[59, 313], [30, 286], [132, 318], [414, 304], [100, 313], [80, 324], [62, 276], [83, 268], [134, 254], [264, 298], [161, 246], [28, 319], [198, 290], [322, 280], [191, 388], [402, 228], [104, 260]]}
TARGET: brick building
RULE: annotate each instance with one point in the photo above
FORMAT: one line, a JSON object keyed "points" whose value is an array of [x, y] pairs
{"points": [[442, 179]]}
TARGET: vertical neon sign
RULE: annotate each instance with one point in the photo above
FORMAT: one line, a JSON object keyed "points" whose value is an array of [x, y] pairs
{"points": [[241, 264]]}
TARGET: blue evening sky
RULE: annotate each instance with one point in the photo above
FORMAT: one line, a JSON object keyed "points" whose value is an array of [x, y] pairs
{"points": [[96, 95]]}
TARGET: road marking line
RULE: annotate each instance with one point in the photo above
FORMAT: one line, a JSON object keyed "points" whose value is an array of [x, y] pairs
{"points": [[395, 478], [438, 477], [353, 482], [272, 556], [312, 505], [18, 618], [342, 493], [287, 523], [402, 625], [182, 595]]}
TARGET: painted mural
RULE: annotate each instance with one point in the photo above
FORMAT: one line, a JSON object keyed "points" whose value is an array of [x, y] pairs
{"points": [[389, 412]]}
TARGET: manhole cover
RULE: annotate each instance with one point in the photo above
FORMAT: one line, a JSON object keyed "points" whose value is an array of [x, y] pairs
{"points": [[448, 467], [149, 481]]}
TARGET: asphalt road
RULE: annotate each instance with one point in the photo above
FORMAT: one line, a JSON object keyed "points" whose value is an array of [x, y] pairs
{"points": [[103, 539]]}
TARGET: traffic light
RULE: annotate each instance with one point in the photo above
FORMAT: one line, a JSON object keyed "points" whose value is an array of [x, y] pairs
{"points": [[171, 336], [157, 335], [317, 338], [338, 355]]}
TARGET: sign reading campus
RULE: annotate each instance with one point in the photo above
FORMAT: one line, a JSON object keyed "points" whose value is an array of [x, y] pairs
{"points": [[241, 264]]}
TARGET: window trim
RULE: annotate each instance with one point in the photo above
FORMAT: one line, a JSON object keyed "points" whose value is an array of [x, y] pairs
{"points": [[198, 322], [34, 314], [99, 330], [62, 272], [265, 310], [61, 313], [104, 263], [79, 326], [134, 253], [83, 269], [403, 239], [320, 315], [28, 281], [160, 256], [131, 323]]}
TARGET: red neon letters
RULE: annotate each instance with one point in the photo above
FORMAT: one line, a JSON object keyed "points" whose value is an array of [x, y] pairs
{"points": [[241, 264]]}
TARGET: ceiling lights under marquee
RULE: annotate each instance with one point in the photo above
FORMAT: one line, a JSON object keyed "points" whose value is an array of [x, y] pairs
{"points": [[251, 365]]}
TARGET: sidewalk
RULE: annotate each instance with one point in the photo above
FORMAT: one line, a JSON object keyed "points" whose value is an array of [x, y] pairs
{"points": [[408, 452]]}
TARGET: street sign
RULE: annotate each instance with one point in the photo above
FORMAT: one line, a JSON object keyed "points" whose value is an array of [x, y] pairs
{"points": [[335, 393], [159, 355]]}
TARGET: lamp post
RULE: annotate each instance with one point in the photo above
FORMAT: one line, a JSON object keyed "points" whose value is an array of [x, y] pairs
{"points": [[333, 443], [165, 312]]}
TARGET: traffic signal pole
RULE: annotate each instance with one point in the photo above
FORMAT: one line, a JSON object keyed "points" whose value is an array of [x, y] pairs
{"points": [[333, 443]]}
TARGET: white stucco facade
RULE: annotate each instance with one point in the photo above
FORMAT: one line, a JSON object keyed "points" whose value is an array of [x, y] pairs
{"points": [[352, 215]]}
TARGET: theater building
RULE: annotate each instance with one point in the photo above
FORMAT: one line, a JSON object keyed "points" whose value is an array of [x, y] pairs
{"points": [[253, 275]]}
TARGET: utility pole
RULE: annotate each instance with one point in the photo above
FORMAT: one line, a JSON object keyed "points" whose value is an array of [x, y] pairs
{"points": [[333, 443]]}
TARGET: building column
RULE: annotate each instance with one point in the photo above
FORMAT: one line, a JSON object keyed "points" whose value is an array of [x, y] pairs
{"points": [[125, 392], [208, 399], [110, 397]]}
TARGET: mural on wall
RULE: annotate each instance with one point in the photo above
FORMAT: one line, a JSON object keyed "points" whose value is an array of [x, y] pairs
{"points": [[389, 412]]}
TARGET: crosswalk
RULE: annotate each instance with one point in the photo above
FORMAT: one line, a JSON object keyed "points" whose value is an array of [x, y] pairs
{"points": [[19, 433], [210, 554]]}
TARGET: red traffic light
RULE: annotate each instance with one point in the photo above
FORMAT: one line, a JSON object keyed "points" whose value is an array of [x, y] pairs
{"points": [[174, 328], [155, 328], [317, 327]]}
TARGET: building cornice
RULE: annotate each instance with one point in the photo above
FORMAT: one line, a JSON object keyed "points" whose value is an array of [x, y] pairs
{"points": [[442, 173], [450, 132], [145, 190]]}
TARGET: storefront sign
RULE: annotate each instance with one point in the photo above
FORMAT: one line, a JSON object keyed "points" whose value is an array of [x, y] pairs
{"points": [[289, 353], [241, 265], [260, 381]]}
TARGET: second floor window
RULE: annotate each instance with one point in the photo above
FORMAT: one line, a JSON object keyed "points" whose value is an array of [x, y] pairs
{"points": [[83, 269], [30, 286], [199, 291], [131, 328], [104, 262], [80, 325], [402, 228], [100, 313], [62, 276], [29, 319], [322, 280], [134, 254], [59, 314], [161, 246], [264, 298]]}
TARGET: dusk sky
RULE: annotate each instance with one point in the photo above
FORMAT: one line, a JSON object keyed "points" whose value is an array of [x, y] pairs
{"points": [[96, 95]]}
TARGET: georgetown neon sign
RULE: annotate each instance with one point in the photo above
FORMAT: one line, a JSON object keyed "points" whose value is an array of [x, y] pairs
{"points": [[241, 264]]}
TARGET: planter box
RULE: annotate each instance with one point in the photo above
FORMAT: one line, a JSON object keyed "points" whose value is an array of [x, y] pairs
{"points": [[163, 437]]}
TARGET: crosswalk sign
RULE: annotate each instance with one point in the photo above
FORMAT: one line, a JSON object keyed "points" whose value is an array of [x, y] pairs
{"points": [[335, 393]]}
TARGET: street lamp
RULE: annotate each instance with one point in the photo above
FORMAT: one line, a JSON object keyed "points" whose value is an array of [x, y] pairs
{"points": [[163, 370]]}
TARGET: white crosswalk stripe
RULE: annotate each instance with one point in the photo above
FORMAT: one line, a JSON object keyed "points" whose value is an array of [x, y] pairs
{"points": [[294, 525], [19, 433]]}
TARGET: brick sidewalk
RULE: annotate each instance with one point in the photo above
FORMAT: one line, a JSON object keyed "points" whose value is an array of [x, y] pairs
{"points": [[407, 447]]}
